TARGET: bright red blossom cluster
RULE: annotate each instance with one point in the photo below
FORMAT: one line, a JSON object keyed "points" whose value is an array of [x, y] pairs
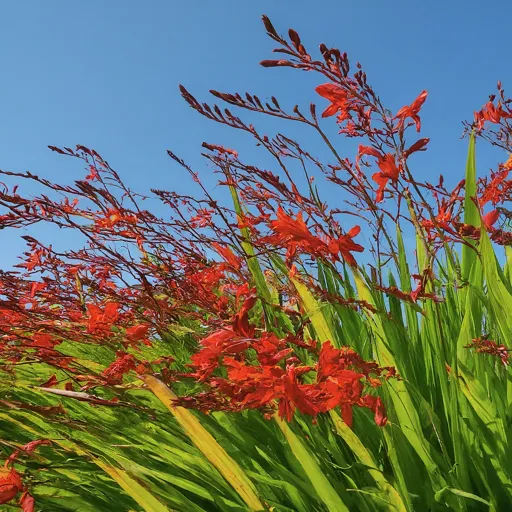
{"points": [[265, 373], [491, 113], [276, 380], [483, 345], [388, 169], [411, 111], [296, 236]]}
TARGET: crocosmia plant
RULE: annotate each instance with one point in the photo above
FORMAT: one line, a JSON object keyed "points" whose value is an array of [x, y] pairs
{"points": [[284, 350]]}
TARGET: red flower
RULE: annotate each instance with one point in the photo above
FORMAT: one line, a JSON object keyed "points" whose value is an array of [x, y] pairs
{"points": [[28, 449], [498, 189], [43, 340], [375, 404], [202, 218], [137, 332], [411, 111], [93, 174], [101, 321], [486, 346], [419, 145], [295, 234], [271, 350], [293, 229], [35, 288], [10, 480], [228, 255], [35, 259], [345, 245], [341, 377], [113, 217], [52, 381], [490, 113], [490, 219], [217, 344], [123, 364], [27, 502], [328, 361], [295, 395], [241, 324], [387, 166], [337, 96], [395, 292], [367, 150], [342, 388], [10, 484]]}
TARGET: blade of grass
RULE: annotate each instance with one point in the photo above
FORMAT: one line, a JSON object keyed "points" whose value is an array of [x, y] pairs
{"points": [[207, 444], [471, 213], [366, 458], [321, 484]]}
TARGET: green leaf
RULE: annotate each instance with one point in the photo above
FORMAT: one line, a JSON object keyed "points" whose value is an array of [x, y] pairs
{"points": [[471, 213], [365, 457], [319, 481], [207, 444], [440, 495]]}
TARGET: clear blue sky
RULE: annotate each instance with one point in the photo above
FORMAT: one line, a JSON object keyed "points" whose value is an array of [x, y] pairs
{"points": [[105, 73]]}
